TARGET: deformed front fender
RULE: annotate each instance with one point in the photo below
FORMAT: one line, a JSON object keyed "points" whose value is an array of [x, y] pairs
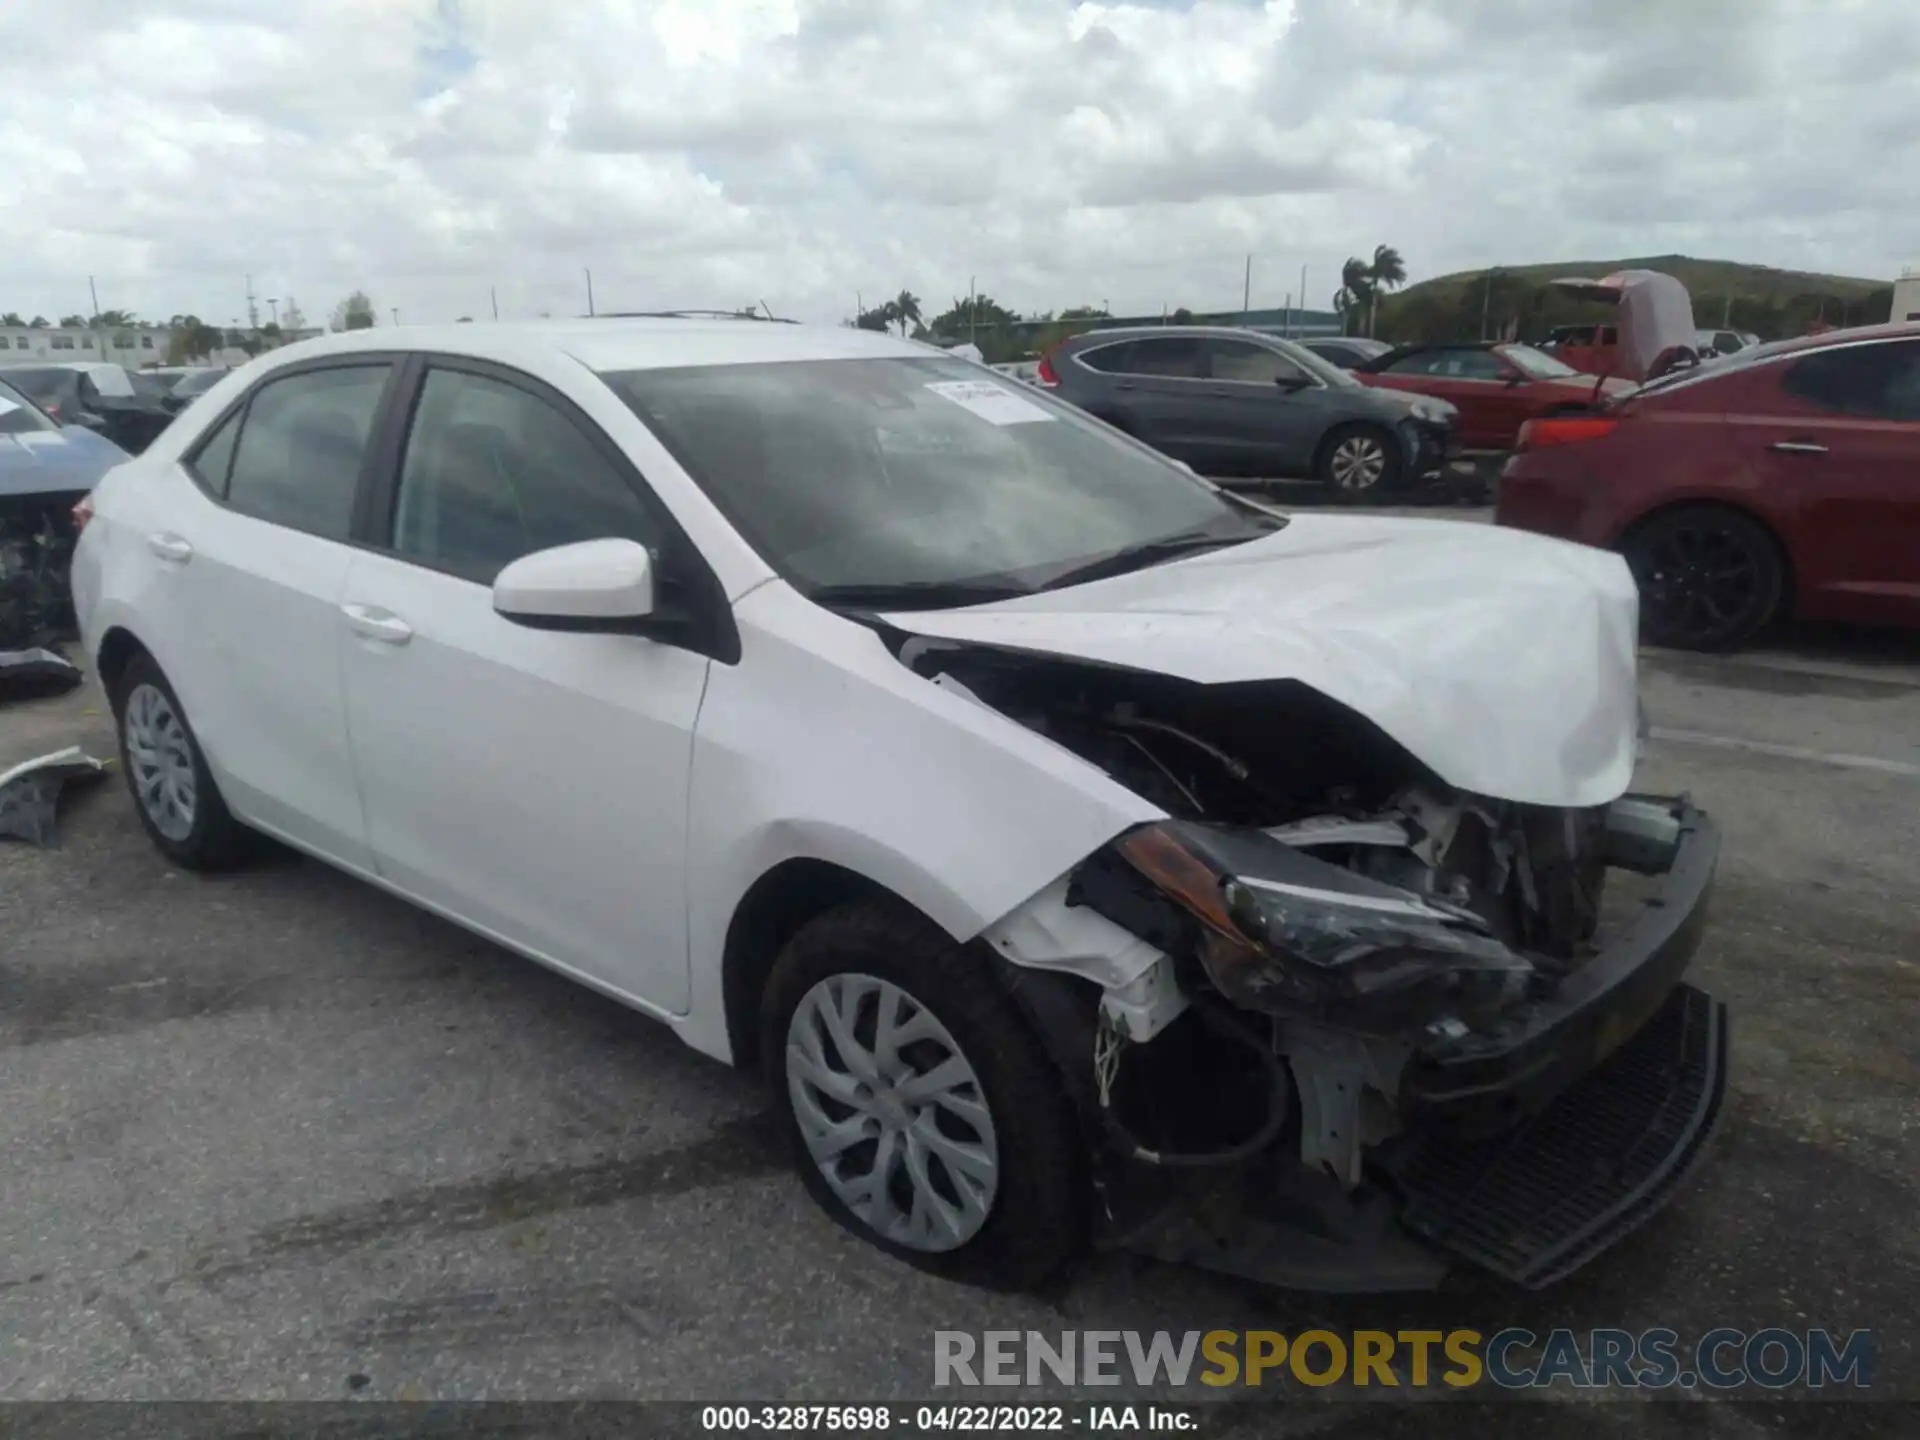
{"points": [[820, 745]]}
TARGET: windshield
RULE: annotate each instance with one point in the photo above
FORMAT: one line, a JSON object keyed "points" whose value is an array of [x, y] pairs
{"points": [[891, 480], [19, 415], [147, 387], [43, 385], [1536, 364]]}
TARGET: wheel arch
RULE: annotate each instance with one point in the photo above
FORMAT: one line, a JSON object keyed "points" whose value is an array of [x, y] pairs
{"points": [[771, 912], [118, 647]]}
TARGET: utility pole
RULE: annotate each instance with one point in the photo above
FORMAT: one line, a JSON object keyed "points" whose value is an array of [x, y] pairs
{"points": [[1486, 304], [589, 275], [396, 315], [274, 302], [859, 308], [1303, 294], [1286, 327], [973, 310], [98, 334], [494, 296], [1246, 291], [253, 307]]}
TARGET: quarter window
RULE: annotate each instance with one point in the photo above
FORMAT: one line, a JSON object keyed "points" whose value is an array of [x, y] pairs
{"points": [[493, 472], [1450, 365], [1877, 381], [301, 447], [214, 458]]}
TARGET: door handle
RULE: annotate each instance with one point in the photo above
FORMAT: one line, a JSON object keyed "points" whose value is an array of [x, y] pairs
{"points": [[170, 547], [1797, 447], [372, 623], [1124, 385]]}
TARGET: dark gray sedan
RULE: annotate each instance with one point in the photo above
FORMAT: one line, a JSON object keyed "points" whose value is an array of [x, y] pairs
{"points": [[1235, 402]]}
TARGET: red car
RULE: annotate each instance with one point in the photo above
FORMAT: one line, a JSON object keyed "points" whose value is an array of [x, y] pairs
{"points": [[1785, 478], [1496, 388]]}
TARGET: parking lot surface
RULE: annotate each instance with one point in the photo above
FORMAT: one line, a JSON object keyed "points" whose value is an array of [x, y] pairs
{"points": [[277, 1135]]}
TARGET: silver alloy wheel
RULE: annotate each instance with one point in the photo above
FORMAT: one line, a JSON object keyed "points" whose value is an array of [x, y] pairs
{"points": [[892, 1112], [1358, 462], [160, 756]]}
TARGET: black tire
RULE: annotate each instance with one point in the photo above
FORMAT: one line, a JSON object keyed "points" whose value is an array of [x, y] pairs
{"points": [[214, 840], [1710, 578], [1034, 1223], [1362, 482]]}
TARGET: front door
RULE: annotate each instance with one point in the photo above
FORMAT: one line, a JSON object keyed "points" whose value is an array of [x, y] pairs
{"points": [[1842, 438], [529, 782], [1270, 410]]}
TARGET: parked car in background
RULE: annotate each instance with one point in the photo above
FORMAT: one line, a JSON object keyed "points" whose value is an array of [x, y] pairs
{"points": [[1237, 403], [1023, 370], [45, 469], [1783, 479], [1346, 351], [1714, 343], [196, 382], [1039, 820], [97, 395], [1496, 388]]}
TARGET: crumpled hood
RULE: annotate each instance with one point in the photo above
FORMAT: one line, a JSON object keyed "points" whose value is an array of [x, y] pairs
{"points": [[1504, 661]]}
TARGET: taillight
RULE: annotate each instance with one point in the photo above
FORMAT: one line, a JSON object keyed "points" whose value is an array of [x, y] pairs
{"points": [[1545, 433], [82, 512], [1046, 374]]}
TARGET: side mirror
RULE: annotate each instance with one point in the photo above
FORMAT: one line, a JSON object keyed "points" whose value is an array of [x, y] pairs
{"points": [[1513, 377], [602, 585]]}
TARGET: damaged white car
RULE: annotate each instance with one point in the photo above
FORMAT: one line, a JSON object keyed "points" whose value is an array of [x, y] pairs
{"points": [[1083, 853]]}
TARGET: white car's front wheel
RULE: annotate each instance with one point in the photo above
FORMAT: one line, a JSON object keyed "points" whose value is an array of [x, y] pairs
{"points": [[924, 1115]]}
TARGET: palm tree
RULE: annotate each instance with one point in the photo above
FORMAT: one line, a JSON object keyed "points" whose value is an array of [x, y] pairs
{"points": [[906, 309], [1356, 283], [1388, 272]]}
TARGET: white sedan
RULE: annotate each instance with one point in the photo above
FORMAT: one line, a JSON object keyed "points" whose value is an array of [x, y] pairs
{"points": [[1043, 821]]}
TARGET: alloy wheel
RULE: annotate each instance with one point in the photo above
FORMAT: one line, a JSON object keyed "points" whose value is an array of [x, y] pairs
{"points": [[160, 758], [1358, 462], [892, 1112], [1699, 581]]}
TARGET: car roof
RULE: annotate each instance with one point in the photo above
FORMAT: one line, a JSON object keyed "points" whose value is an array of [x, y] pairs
{"points": [[1169, 332], [83, 367], [614, 344]]}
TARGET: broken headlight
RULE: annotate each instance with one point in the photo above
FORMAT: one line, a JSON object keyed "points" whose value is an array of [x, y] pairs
{"points": [[1282, 931]]}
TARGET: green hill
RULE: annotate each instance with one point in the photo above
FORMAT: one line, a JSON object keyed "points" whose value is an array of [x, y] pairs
{"points": [[1772, 303]]}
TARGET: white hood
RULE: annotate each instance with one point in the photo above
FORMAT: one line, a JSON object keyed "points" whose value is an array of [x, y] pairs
{"points": [[1503, 661]]}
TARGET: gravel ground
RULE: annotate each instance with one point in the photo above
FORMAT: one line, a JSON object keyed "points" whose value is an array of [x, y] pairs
{"points": [[276, 1135]]}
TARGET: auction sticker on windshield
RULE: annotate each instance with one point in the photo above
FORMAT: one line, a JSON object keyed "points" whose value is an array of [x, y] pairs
{"points": [[989, 401]]}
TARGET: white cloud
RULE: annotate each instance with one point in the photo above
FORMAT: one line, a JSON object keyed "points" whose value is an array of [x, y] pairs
{"points": [[712, 152]]}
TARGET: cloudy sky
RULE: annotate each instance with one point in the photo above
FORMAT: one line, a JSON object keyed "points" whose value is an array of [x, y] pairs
{"points": [[719, 152]]}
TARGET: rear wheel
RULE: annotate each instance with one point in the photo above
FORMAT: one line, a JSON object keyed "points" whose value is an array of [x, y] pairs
{"points": [[923, 1114], [1710, 578], [174, 792], [1359, 461]]}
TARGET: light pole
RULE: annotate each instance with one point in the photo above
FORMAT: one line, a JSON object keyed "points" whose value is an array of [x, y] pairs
{"points": [[589, 274], [973, 310], [396, 315], [274, 302]]}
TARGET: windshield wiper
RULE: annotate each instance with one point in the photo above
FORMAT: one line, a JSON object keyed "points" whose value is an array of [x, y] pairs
{"points": [[1151, 552], [916, 594]]}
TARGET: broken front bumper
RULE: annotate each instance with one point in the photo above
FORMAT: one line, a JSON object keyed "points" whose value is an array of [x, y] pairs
{"points": [[1526, 1153]]}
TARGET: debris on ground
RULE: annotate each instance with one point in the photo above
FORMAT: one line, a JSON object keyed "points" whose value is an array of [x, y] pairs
{"points": [[33, 674], [30, 793]]}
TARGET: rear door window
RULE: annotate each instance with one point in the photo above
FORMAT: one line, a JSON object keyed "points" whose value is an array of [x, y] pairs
{"points": [[1174, 358], [1880, 382], [301, 446]]}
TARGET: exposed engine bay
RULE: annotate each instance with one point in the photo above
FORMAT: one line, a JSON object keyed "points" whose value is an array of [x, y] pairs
{"points": [[1325, 947]]}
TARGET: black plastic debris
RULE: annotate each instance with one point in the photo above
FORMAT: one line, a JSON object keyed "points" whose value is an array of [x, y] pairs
{"points": [[30, 674], [30, 793]]}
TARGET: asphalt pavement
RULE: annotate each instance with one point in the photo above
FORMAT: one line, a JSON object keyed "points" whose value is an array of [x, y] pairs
{"points": [[276, 1135]]}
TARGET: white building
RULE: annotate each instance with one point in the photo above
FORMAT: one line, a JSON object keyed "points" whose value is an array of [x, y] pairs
{"points": [[136, 347], [1906, 296]]}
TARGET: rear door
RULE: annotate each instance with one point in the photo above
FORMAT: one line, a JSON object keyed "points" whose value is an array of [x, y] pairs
{"points": [[532, 783], [1155, 390], [1837, 434], [1271, 411], [246, 571]]}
